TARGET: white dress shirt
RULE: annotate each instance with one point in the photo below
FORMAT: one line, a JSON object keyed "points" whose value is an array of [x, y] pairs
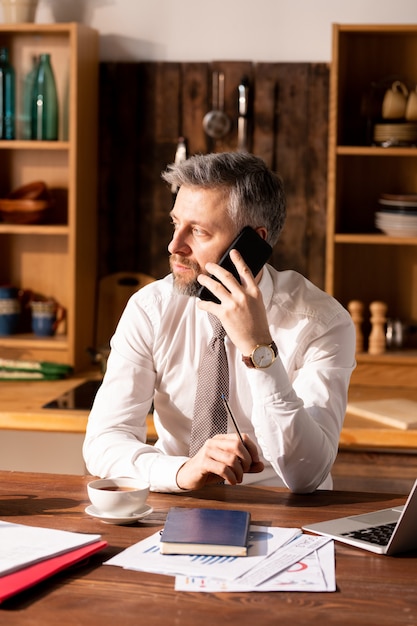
{"points": [[293, 410]]}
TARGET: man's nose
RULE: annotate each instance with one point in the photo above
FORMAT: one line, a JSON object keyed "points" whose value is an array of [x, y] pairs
{"points": [[178, 244]]}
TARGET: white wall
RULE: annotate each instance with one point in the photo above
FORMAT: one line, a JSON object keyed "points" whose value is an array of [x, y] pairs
{"points": [[206, 30]]}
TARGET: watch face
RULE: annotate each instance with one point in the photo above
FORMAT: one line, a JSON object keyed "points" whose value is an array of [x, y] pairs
{"points": [[263, 356]]}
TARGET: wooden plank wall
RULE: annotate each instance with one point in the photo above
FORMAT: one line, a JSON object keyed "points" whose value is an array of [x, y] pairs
{"points": [[145, 107]]}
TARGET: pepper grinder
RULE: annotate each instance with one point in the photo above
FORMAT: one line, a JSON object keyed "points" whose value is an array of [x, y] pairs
{"points": [[377, 337], [355, 308]]}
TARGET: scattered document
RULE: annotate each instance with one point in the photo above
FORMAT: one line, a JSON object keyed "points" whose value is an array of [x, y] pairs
{"points": [[316, 573], [282, 559], [278, 558], [145, 556], [22, 545]]}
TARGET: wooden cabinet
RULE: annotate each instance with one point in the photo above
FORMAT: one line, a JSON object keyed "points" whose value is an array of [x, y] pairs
{"points": [[362, 263], [57, 258]]}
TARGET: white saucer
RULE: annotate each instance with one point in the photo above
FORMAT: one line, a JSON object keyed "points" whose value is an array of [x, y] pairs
{"points": [[109, 519]]}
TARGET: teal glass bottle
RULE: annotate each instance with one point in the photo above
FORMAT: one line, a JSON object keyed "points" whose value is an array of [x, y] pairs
{"points": [[44, 122], [7, 96], [28, 80]]}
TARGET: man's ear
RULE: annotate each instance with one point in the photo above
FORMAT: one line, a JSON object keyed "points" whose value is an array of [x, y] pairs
{"points": [[262, 231]]}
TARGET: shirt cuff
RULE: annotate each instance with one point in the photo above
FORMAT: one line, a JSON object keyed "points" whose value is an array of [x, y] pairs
{"points": [[163, 472], [270, 381]]}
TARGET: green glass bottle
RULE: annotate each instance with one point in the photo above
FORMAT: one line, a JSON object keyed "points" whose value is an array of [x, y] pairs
{"points": [[26, 117], [7, 96], [44, 121]]}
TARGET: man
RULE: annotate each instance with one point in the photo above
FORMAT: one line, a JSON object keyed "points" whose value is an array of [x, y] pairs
{"points": [[290, 411]]}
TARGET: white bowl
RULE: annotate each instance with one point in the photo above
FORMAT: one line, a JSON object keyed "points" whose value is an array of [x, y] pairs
{"points": [[396, 218], [118, 497]]}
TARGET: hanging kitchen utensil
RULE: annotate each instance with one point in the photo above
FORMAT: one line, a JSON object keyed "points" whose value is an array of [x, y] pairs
{"points": [[180, 156], [242, 122], [216, 123]]}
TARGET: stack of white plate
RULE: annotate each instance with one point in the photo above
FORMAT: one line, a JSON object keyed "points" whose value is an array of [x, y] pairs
{"points": [[397, 216], [395, 134]]}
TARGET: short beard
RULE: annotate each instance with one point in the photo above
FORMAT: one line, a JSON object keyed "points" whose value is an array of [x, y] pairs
{"points": [[186, 289], [181, 287]]}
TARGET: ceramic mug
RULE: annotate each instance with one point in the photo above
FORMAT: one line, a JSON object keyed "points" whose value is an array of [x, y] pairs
{"points": [[18, 11], [9, 316], [395, 101], [411, 110], [46, 315]]}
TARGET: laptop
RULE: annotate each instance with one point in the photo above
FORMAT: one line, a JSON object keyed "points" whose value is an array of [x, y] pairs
{"points": [[387, 531]]}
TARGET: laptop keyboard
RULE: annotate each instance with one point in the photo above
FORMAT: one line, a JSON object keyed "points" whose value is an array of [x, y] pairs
{"points": [[379, 535]]}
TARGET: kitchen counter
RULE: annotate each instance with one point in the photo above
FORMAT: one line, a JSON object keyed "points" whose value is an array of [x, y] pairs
{"points": [[21, 406], [21, 409]]}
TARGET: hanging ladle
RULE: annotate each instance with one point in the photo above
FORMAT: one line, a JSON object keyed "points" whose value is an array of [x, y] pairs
{"points": [[216, 123]]}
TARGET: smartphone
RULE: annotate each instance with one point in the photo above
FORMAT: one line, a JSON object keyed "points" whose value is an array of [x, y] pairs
{"points": [[255, 252]]}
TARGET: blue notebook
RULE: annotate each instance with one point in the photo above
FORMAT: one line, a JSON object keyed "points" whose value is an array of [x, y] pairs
{"points": [[205, 532]]}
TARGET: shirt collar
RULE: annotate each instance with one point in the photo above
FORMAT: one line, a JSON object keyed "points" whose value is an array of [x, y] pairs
{"points": [[266, 286]]}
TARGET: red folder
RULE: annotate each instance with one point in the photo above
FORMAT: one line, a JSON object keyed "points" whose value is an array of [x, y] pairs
{"points": [[13, 583]]}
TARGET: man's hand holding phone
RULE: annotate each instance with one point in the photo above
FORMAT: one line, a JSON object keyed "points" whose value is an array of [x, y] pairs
{"points": [[237, 302], [254, 250]]}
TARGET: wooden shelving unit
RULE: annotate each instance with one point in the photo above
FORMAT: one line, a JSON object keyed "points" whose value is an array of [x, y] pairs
{"points": [[58, 258], [361, 262]]}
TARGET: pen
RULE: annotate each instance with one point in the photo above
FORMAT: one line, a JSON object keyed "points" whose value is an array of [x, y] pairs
{"points": [[230, 414]]}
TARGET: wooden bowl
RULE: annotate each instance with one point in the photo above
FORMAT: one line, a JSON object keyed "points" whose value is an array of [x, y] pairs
{"points": [[23, 211], [36, 190], [27, 204]]}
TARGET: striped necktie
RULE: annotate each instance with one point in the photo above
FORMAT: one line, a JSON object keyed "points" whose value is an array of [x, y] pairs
{"points": [[210, 417]]}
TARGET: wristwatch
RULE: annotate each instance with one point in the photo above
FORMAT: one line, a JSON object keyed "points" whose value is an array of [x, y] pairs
{"points": [[262, 356]]}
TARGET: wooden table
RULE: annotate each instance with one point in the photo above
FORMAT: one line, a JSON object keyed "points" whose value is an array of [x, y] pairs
{"points": [[371, 589]]}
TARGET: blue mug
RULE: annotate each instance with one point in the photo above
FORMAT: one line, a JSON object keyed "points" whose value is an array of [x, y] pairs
{"points": [[9, 323], [9, 316], [46, 315], [43, 324]]}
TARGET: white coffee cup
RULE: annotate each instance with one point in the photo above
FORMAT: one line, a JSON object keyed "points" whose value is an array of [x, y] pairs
{"points": [[411, 110], [18, 11], [118, 497], [395, 101]]}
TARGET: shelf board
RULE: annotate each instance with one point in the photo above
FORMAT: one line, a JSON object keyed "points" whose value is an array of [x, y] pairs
{"points": [[374, 239], [372, 30], [406, 151], [23, 144], [35, 27], [57, 342], [34, 229]]}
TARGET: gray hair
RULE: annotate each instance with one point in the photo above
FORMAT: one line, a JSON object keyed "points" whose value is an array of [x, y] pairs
{"points": [[256, 194]]}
